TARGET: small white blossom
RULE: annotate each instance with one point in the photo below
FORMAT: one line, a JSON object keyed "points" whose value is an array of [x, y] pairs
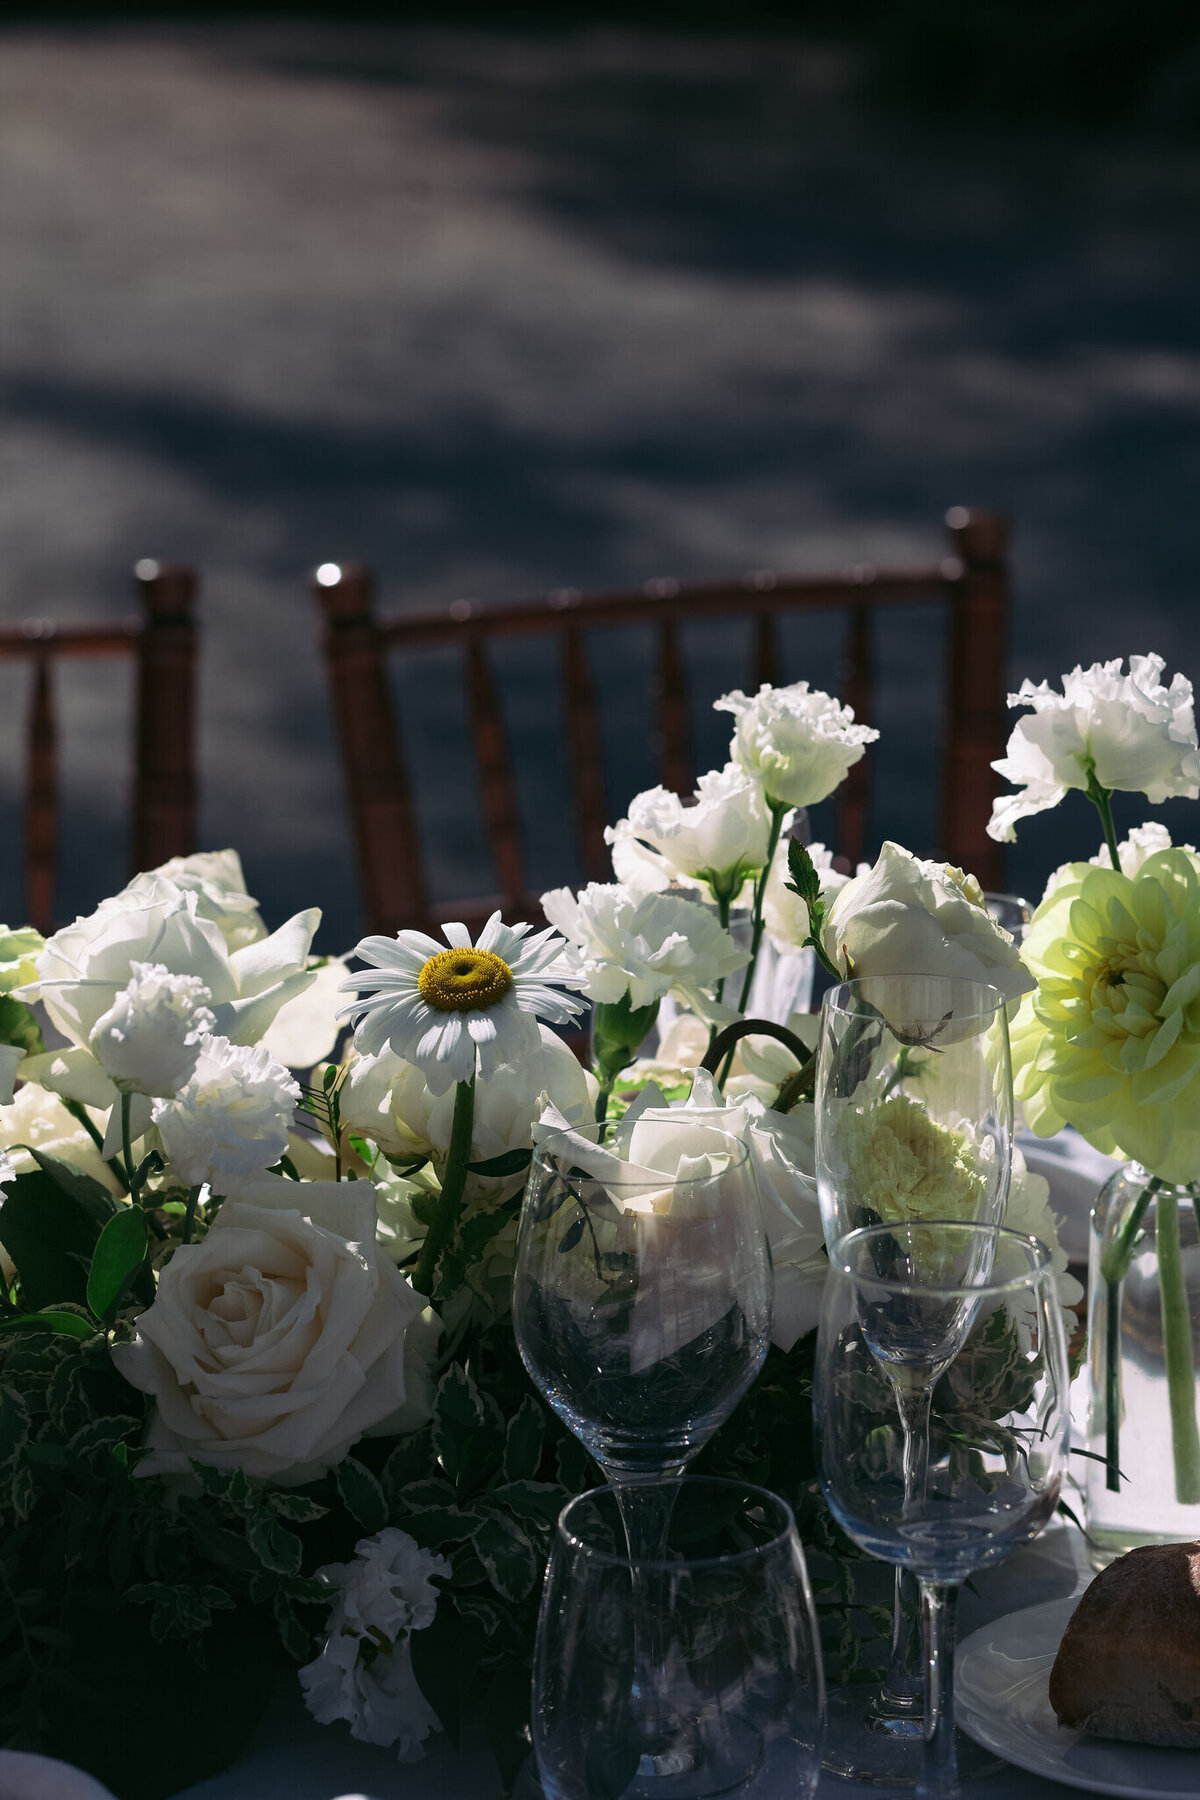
{"points": [[364, 1674], [148, 1040], [798, 741], [1136, 734], [720, 837], [644, 948], [231, 1120]]}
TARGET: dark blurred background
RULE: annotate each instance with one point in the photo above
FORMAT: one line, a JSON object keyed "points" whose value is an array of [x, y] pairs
{"points": [[499, 301]]}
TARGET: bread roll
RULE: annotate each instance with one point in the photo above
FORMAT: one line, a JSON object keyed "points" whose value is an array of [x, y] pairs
{"points": [[1129, 1662]]}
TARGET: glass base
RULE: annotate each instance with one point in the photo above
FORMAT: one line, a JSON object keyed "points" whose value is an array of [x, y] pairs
{"points": [[886, 1751]]}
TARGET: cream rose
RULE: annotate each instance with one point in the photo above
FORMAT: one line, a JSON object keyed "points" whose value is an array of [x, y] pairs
{"points": [[277, 1341], [908, 917]]}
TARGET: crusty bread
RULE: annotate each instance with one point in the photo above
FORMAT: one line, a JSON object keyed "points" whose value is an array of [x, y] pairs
{"points": [[1129, 1662]]}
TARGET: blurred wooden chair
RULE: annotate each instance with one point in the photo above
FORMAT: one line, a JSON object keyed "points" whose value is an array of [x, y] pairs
{"points": [[162, 640], [972, 583]]}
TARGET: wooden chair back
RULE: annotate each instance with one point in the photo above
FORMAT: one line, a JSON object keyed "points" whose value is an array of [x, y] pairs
{"points": [[162, 640], [972, 584]]}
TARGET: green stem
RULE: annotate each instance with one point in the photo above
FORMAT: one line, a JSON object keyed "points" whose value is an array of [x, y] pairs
{"points": [[1177, 1347], [189, 1217], [1101, 798], [1117, 1258], [760, 889], [1112, 1386], [603, 1095], [454, 1180], [127, 1148], [724, 902], [725, 1042]]}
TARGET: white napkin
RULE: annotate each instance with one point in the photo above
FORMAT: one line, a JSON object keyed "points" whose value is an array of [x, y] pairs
{"points": [[26, 1777]]}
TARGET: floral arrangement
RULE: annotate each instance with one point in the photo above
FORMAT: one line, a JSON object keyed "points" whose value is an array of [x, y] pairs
{"points": [[258, 1381]]}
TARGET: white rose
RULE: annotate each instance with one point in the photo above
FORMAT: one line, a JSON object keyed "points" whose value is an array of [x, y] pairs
{"points": [[364, 1674], [39, 1119], [216, 879], [86, 965], [908, 917], [305, 1030], [230, 1122], [799, 742], [148, 1040], [388, 1101], [641, 947], [720, 838], [278, 1340], [1137, 735]]}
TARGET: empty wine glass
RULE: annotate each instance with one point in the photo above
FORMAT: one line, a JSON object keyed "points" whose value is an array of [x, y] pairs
{"points": [[739, 1688], [914, 1118], [973, 1309], [642, 1296]]}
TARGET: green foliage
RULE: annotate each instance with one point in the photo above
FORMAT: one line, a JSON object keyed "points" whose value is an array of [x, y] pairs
{"points": [[19, 1026]]}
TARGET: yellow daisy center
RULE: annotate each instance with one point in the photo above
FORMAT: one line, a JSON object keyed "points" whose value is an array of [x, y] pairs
{"points": [[464, 980]]}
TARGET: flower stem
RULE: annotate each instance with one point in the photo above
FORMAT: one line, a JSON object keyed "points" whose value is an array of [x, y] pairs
{"points": [[1177, 1348], [760, 889], [724, 901], [1113, 1266], [189, 1217], [454, 1179], [127, 1147], [1101, 798]]}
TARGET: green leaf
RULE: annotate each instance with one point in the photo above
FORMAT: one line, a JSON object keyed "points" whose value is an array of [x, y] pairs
{"points": [[538, 1500], [407, 1462], [509, 1559], [91, 1195], [66, 1324], [276, 1548], [465, 1439], [445, 1657], [102, 1434], [19, 1026], [805, 880], [14, 1425], [361, 1494], [510, 1163], [523, 1442], [297, 1508], [50, 1233], [119, 1254]]}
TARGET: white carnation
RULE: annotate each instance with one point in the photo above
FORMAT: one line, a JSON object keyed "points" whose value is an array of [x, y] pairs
{"points": [[644, 947], [799, 742], [148, 1040], [1136, 734], [364, 1674], [231, 1120]]}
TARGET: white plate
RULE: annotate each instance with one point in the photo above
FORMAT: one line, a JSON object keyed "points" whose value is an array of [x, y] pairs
{"points": [[1002, 1674]]}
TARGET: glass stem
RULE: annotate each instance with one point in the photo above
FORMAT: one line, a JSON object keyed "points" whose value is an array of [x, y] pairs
{"points": [[646, 1504], [1177, 1349], [904, 1684], [939, 1773]]}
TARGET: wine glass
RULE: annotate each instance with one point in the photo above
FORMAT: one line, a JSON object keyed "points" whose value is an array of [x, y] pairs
{"points": [[971, 1310], [914, 1118], [642, 1297], [739, 1688]]}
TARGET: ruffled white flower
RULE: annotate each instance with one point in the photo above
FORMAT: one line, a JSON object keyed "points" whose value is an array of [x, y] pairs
{"points": [[364, 1674], [798, 741], [278, 1340], [148, 1040], [216, 879], [389, 1101], [641, 947], [909, 917], [450, 1010], [230, 1122], [720, 838], [1136, 734]]}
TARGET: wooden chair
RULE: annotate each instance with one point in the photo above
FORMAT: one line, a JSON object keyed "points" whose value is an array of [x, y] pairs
{"points": [[163, 641], [971, 583]]}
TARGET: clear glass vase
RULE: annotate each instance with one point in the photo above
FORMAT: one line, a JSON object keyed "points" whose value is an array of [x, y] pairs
{"points": [[1143, 1424]]}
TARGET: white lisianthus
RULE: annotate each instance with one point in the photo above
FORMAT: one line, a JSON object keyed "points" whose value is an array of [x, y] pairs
{"points": [[38, 1119], [799, 742], [909, 917], [389, 1101], [86, 965], [720, 838], [216, 879], [230, 1122], [148, 1040], [277, 1341], [364, 1674], [643, 948], [1133, 733], [784, 912]]}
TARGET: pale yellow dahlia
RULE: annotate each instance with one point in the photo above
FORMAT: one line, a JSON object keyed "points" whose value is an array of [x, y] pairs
{"points": [[1110, 1042]]}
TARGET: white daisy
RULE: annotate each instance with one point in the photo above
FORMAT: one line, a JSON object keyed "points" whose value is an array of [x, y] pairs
{"points": [[444, 1008]]}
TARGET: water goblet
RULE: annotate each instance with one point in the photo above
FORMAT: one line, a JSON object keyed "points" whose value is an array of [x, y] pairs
{"points": [[973, 1310], [914, 1117], [740, 1692]]}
